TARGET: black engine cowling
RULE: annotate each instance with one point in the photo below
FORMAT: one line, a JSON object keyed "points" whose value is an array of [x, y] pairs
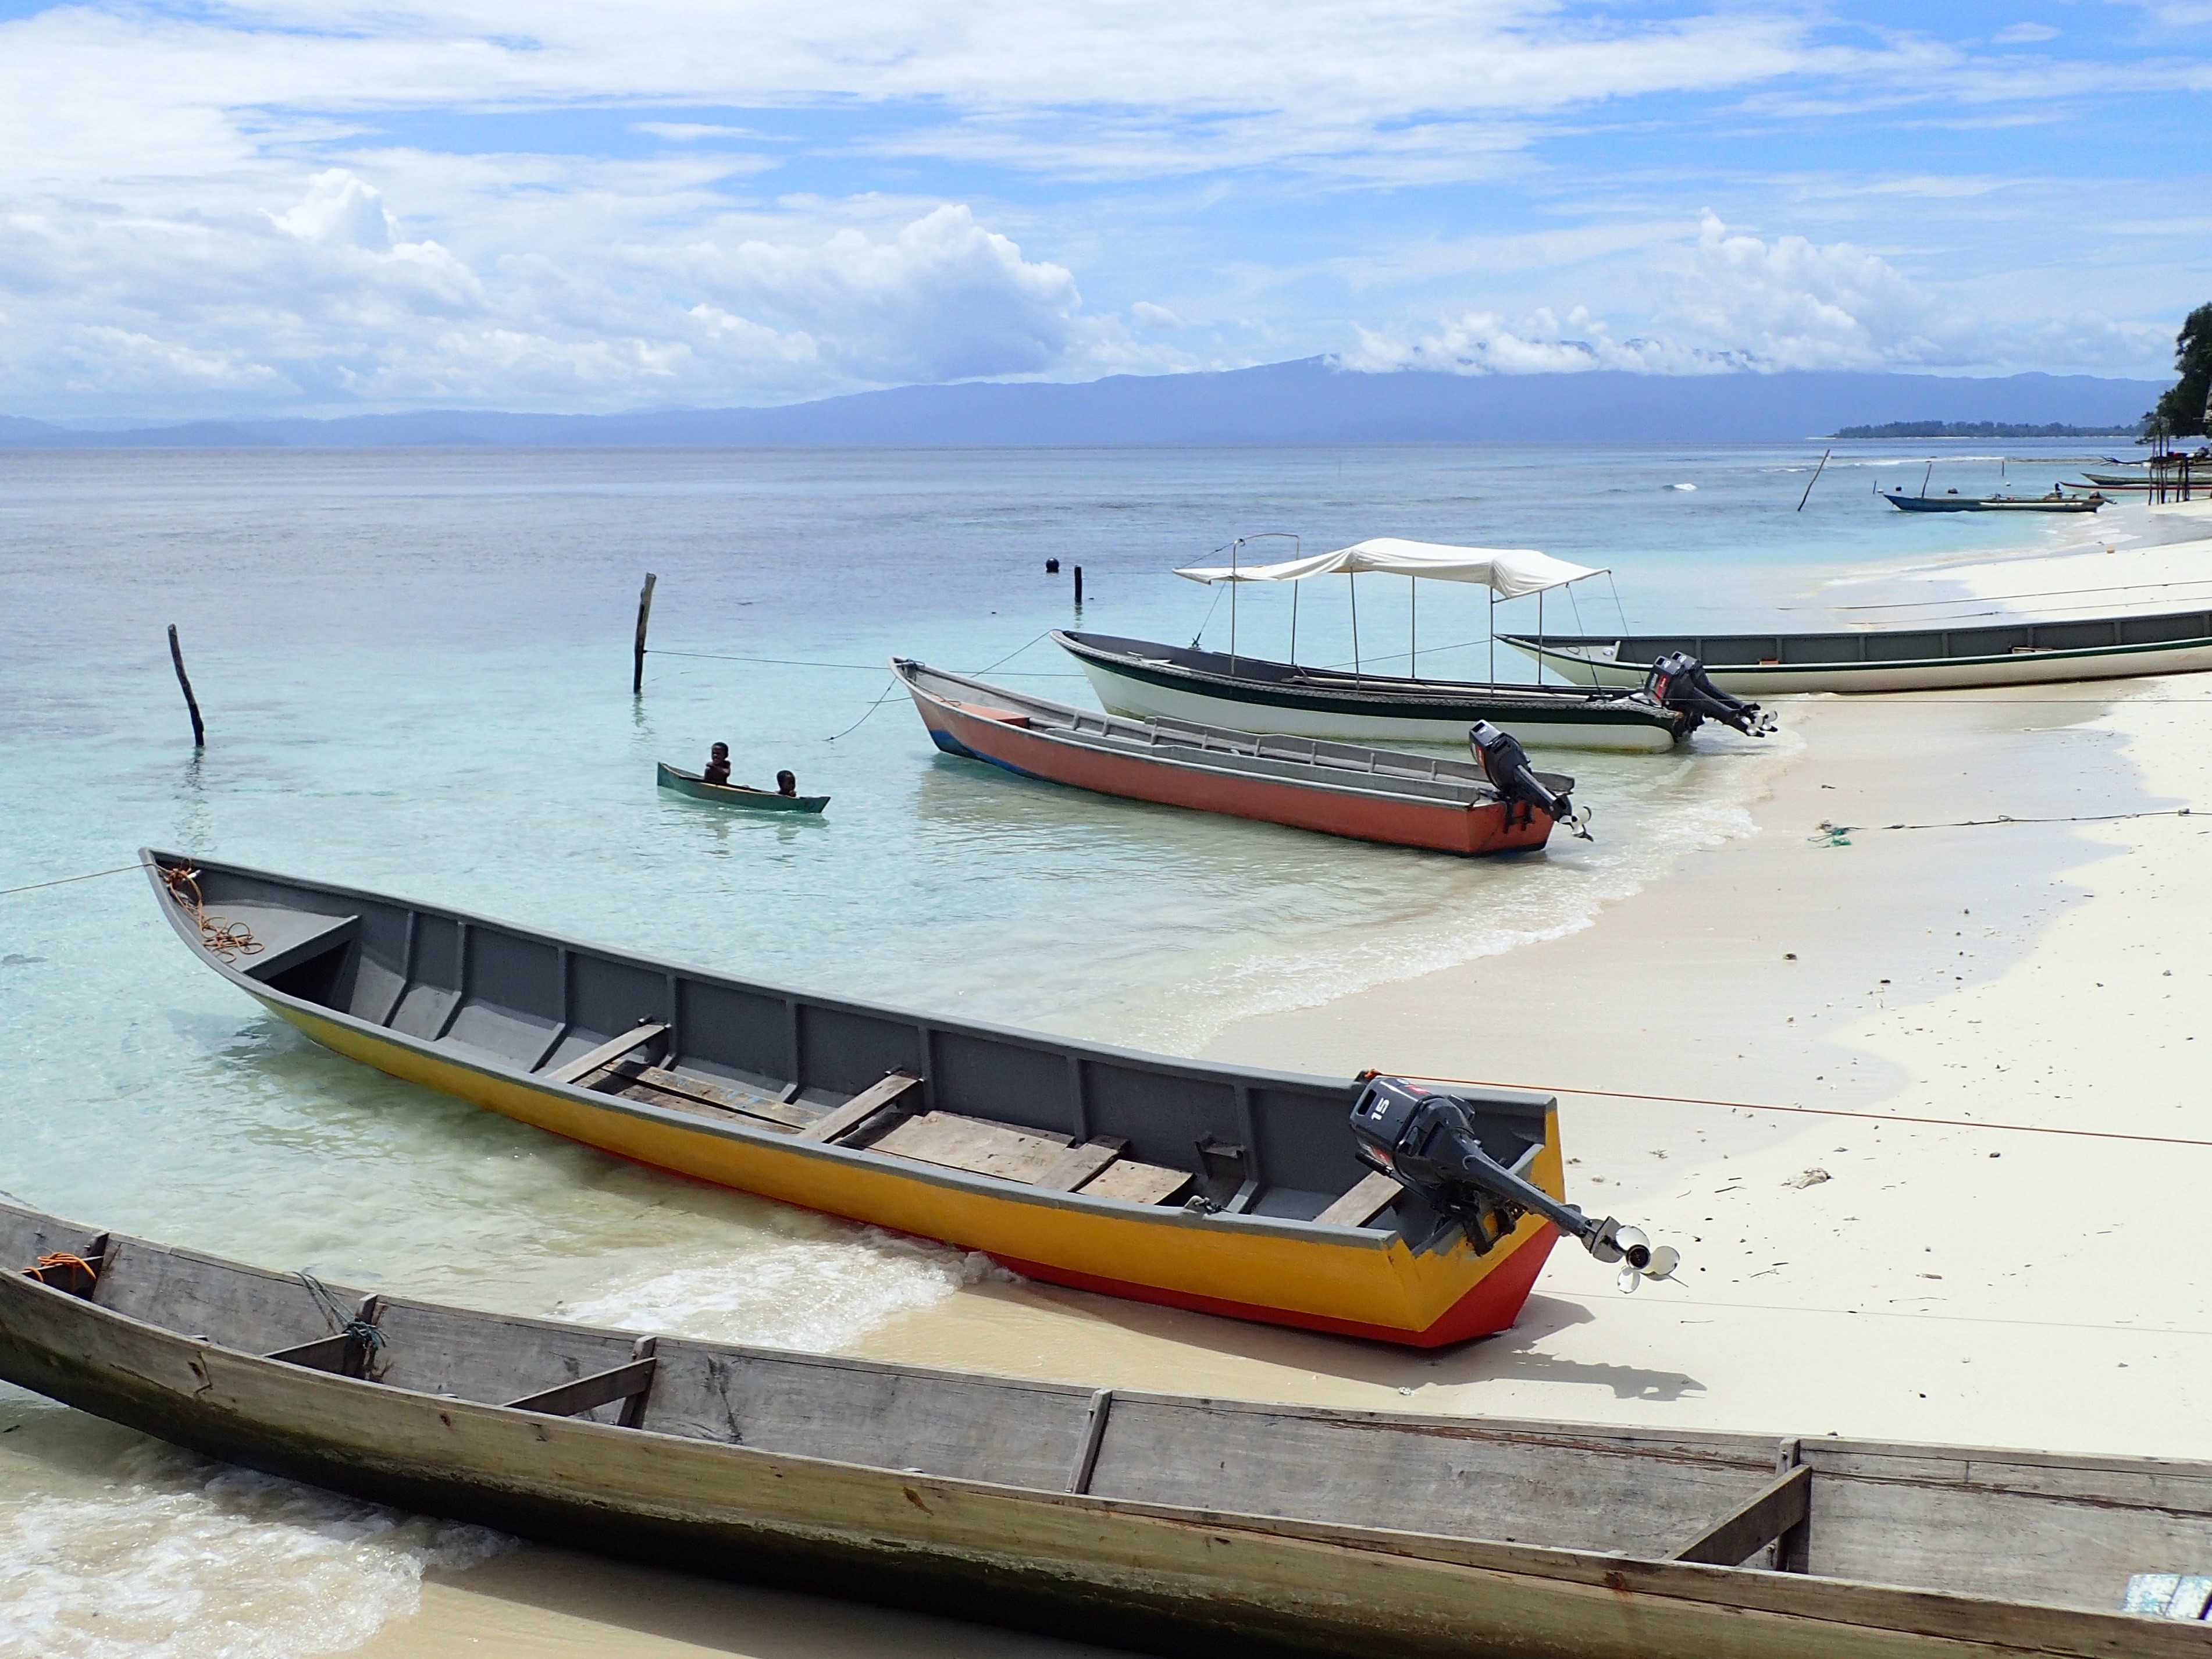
{"points": [[1679, 681]]}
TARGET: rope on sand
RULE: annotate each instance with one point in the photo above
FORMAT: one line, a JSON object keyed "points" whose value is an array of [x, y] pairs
{"points": [[1839, 834]]}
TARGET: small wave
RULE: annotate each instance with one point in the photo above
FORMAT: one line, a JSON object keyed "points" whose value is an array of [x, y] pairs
{"points": [[1682, 486], [162, 1555], [814, 1293]]}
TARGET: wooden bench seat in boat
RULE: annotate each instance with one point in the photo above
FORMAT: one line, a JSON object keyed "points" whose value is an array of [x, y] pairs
{"points": [[288, 938]]}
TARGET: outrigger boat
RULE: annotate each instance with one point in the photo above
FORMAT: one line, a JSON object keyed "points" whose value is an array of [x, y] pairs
{"points": [[1308, 783], [1146, 680], [675, 779], [1175, 1524], [1899, 660], [1259, 1195]]}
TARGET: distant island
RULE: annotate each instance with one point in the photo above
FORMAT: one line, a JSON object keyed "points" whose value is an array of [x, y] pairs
{"points": [[1984, 429]]}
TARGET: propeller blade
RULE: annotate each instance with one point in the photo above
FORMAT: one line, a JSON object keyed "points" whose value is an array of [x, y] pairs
{"points": [[1629, 1237], [1664, 1261], [1629, 1279]]}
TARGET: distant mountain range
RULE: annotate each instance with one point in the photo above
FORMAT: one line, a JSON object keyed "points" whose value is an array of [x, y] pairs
{"points": [[1310, 401]]}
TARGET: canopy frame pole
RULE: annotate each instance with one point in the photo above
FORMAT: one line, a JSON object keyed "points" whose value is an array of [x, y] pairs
{"points": [[1493, 636], [1353, 577], [1540, 637], [1233, 586], [1414, 626], [1294, 624]]}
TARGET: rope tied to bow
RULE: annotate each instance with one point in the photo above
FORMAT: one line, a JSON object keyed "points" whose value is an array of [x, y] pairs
{"points": [[342, 1322], [229, 940]]}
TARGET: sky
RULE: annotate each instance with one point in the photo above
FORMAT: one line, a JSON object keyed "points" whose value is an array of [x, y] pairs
{"points": [[331, 206]]}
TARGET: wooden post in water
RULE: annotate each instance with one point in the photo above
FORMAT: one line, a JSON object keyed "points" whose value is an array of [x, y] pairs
{"points": [[193, 703], [644, 616], [1079, 587], [1814, 479]]}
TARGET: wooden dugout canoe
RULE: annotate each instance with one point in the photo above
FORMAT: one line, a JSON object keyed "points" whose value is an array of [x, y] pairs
{"points": [[1339, 789], [675, 778], [1147, 680], [1899, 658], [1068, 1162], [1178, 1524]]}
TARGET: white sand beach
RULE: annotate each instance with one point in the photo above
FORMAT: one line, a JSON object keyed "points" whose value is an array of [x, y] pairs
{"points": [[1857, 1273]]}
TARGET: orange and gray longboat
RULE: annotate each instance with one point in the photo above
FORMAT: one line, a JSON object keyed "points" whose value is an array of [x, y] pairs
{"points": [[1257, 1194], [1430, 801], [1177, 1524]]}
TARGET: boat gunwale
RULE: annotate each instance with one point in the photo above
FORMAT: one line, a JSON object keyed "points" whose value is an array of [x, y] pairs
{"points": [[1490, 799], [1379, 695], [1555, 646], [1873, 1606], [998, 1188]]}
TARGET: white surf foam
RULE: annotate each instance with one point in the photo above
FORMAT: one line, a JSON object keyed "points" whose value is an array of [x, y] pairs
{"points": [[161, 1555], [790, 1293]]}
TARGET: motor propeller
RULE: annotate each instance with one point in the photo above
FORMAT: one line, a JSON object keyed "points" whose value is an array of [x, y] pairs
{"points": [[1633, 1247]]}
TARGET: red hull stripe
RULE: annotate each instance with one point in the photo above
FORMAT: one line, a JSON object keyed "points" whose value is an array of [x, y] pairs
{"points": [[1438, 827], [1490, 1306]]}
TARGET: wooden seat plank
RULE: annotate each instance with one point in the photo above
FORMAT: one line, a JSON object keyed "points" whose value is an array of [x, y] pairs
{"points": [[1374, 1192], [1752, 1524], [674, 1088], [589, 1392], [974, 1144], [861, 1107], [1082, 1163], [605, 1054], [1139, 1184]]}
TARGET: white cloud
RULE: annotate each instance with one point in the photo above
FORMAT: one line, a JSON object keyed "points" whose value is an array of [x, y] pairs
{"points": [[1729, 300], [2019, 34], [1148, 315]]}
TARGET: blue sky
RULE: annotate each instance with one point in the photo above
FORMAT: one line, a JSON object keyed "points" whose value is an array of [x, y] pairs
{"points": [[325, 205]]}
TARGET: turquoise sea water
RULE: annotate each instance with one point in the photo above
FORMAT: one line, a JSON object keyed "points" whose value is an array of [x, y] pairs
{"points": [[415, 667]]}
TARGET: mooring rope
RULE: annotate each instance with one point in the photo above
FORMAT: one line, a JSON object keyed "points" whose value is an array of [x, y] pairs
{"points": [[226, 940], [63, 881], [1822, 1111]]}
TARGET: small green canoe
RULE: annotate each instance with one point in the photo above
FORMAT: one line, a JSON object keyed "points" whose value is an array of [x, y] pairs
{"points": [[756, 800]]}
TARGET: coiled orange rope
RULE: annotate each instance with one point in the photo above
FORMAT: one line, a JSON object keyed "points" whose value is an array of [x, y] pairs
{"points": [[47, 1264], [223, 938]]}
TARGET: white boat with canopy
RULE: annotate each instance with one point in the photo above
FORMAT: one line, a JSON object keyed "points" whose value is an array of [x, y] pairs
{"points": [[1147, 679]]}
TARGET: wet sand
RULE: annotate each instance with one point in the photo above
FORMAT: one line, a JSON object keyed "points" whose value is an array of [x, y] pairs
{"points": [[1863, 1275]]}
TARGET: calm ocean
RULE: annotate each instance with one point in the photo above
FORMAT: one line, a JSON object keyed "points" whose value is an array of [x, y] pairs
{"points": [[415, 667]]}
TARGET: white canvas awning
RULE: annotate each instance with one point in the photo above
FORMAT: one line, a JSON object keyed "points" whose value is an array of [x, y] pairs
{"points": [[1508, 572]]}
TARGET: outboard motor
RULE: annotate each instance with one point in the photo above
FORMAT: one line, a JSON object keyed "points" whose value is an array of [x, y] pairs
{"points": [[1427, 1144], [1505, 763], [1679, 681]]}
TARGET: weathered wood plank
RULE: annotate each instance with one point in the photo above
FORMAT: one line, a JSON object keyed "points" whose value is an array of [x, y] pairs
{"points": [[1752, 1524], [861, 1107], [1081, 1163], [1374, 1192], [1139, 1184], [606, 1054], [749, 1102], [587, 1393], [974, 1144], [1454, 1479]]}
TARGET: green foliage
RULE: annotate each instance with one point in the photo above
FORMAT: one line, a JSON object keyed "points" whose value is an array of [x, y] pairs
{"points": [[2181, 410]]}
